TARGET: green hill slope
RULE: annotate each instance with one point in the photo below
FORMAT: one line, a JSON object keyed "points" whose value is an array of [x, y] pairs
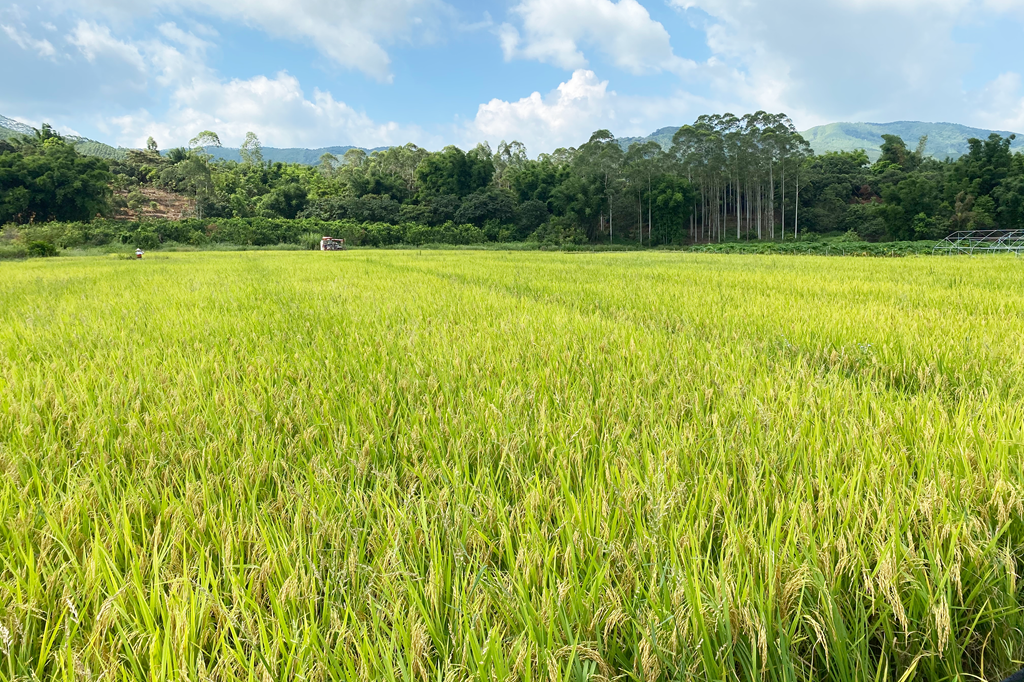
{"points": [[944, 139], [10, 128], [662, 136], [307, 157]]}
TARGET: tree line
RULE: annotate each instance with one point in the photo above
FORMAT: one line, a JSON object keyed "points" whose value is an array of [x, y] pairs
{"points": [[724, 178]]}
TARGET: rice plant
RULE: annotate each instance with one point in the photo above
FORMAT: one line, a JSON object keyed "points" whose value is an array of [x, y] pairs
{"points": [[511, 466]]}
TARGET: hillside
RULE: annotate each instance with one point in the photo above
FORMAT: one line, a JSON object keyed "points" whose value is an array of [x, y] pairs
{"points": [[308, 157], [944, 139], [662, 136], [10, 128]]}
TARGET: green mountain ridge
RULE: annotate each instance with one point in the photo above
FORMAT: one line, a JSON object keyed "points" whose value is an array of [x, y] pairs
{"points": [[306, 157], [945, 140], [10, 128]]}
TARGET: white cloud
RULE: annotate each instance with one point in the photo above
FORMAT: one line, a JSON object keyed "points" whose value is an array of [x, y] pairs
{"points": [[94, 40], [171, 64], [25, 41], [827, 60], [1001, 103], [352, 33], [555, 31], [276, 109], [570, 113]]}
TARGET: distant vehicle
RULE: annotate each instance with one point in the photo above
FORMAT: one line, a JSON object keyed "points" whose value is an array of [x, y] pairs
{"points": [[332, 244]]}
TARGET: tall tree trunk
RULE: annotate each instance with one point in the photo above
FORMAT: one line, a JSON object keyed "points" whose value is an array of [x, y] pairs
{"points": [[640, 217], [650, 224], [783, 200], [611, 230], [796, 224]]}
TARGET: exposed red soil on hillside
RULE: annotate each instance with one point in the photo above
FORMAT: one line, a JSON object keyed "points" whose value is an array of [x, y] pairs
{"points": [[169, 205]]}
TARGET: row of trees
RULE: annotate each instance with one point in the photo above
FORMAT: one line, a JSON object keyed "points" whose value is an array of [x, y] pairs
{"points": [[723, 178]]}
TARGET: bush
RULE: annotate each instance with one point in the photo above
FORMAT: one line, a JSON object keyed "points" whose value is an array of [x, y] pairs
{"points": [[41, 250], [146, 240], [310, 240], [136, 200], [382, 234], [11, 251], [559, 231]]}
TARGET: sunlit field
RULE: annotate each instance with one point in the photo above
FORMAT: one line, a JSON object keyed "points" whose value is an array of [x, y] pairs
{"points": [[511, 466]]}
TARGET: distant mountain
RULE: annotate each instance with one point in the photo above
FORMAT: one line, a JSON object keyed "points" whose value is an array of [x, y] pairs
{"points": [[662, 136], [944, 139], [307, 157], [87, 147], [310, 157], [10, 128]]}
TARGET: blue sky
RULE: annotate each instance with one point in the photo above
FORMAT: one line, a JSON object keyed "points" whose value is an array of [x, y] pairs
{"points": [[316, 73]]}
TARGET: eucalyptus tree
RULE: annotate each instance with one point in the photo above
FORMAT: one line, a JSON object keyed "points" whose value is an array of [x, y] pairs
{"points": [[251, 150], [399, 164], [328, 165], [641, 163], [700, 150], [508, 159], [197, 167], [355, 158], [599, 161], [202, 141]]}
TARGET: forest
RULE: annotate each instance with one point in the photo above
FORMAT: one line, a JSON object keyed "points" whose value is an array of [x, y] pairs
{"points": [[723, 179]]}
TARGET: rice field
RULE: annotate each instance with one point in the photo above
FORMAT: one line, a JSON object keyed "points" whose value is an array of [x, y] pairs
{"points": [[446, 466]]}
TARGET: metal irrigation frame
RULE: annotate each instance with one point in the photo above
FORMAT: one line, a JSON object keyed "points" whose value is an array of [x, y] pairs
{"points": [[970, 242]]}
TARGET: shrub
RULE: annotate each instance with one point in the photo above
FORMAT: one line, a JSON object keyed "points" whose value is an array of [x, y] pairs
{"points": [[559, 231], [310, 240], [146, 240], [10, 251], [41, 249]]}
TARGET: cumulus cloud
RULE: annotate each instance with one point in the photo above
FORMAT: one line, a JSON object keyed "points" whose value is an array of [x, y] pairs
{"points": [[571, 112], [845, 59], [556, 31], [21, 38], [352, 33], [275, 108], [1001, 103], [94, 40]]}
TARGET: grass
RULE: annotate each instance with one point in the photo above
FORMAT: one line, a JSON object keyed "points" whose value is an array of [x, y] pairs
{"points": [[527, 466]]}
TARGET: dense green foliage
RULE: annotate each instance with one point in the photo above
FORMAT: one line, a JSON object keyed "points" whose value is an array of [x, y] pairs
{"points": [[427, 466], [722, 179], [44, 178]]}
